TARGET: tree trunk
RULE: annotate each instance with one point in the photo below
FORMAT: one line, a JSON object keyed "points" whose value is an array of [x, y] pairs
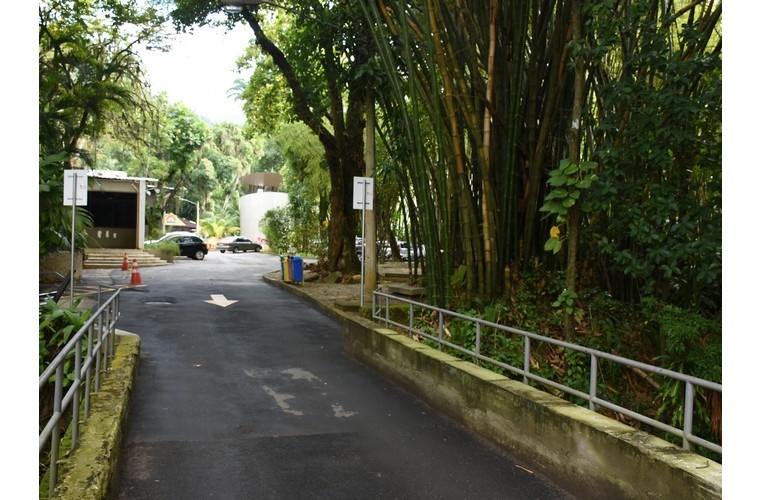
{"points": [[575, 211], [343, 147]]}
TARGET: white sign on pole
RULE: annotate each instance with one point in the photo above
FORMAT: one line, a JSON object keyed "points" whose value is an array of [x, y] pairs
{"points": [[75, 186], [363, 193]]}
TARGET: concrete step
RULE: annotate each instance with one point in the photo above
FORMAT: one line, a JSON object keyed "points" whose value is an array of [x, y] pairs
{"points": [[113, 258], [406, 290]]}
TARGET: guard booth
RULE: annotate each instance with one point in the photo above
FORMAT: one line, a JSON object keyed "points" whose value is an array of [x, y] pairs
{"points": [[117, 204]]}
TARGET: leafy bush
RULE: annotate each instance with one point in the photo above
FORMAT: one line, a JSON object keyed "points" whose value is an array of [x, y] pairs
{"points": [[275, 225], [679, 339], [170, 247], [57, 326], [692, 344]]}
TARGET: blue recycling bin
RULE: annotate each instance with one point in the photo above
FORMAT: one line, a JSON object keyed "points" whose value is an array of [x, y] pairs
{"points": [[297, 274]]}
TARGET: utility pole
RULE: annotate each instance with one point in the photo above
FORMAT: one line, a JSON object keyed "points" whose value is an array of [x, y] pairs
{"points": [[198, 222], [370, 254]]}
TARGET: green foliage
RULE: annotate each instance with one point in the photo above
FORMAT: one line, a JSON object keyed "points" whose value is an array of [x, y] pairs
{"points": [[183, 136], [565, 301], [576, 372], [88, 70], [57, 326], [89, 77], [275, 225], [495, 343], [170, 247], [567, 183], [458, 277], [266, 96], [461, 333], [692, 345], [692, 342], [55, 218], [658, 200], [305, 235], [307, 183], [216, 226]]}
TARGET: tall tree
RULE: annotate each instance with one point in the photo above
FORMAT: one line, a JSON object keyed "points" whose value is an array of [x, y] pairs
{"points": [[89, 76], [513, 95], [306, 181], [489, 79], [323, 60]]}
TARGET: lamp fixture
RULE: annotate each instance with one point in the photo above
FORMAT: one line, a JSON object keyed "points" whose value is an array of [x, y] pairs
{"points": [[236, 6]]}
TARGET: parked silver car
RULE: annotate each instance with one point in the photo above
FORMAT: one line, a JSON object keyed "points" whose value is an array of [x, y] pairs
{"points": [[405, 252], [237, 244]]}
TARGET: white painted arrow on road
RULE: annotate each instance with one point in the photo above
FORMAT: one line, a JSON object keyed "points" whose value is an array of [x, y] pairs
{"points": [[220, 300]]}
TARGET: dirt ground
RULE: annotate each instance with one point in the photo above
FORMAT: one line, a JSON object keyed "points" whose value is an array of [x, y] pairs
{"points": [[332, 288]]}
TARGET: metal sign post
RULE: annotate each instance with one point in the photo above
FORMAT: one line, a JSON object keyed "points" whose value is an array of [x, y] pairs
{"points": [[75, 194], [363, 200]]}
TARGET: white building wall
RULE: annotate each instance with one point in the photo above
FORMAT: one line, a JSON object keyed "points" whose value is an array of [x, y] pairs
{"points": [[253, 207]]}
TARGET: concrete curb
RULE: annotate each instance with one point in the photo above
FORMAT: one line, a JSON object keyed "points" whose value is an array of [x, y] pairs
{"points": [[589, 454], [90, 470]]}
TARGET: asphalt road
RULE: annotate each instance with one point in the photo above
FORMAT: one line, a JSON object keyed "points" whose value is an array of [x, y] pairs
{"points": [[243, 392]]}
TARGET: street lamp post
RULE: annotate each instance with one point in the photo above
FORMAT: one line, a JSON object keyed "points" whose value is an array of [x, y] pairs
{"points": [[236, 6], [198, 221]]}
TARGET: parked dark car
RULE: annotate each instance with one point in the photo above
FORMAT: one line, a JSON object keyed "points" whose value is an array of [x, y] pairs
{"points": [[237, 244], [169, 236], [191, 246]]}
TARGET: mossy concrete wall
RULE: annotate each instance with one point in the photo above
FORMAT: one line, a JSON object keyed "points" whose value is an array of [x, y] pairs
{"points": [[588, 454], [90, 470]]}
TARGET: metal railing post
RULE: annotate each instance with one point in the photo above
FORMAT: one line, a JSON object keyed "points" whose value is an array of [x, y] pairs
{"points": [[593, 389], [688, 415]]}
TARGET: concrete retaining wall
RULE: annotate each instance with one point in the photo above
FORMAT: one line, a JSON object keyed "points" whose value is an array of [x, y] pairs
{"points": [[90, 471], [588, 454]]}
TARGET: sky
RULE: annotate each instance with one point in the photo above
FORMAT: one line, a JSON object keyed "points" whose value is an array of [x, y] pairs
{"points": [[198, 71]]}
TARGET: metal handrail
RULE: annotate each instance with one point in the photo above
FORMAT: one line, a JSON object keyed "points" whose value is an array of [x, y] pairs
{"points": [[56, 294], [93, 347], [380, 310]]}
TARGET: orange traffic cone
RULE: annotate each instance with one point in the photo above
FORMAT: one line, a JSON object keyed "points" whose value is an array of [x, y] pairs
{"points": [[135, 274], [125, 264]]}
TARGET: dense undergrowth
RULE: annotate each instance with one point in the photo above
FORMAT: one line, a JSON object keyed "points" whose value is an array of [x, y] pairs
{"points": [[57, 325], [650, 332]]}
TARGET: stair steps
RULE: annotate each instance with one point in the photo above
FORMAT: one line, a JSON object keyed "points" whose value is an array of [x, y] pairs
{"points": [[112, 258]]}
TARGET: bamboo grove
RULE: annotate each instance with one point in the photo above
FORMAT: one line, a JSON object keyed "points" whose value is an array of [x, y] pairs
{"points": [[581, 136]]}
